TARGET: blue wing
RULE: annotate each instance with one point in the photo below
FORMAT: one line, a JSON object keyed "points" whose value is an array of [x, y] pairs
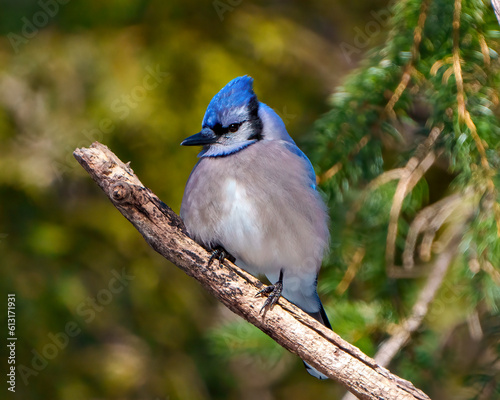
{"points": [[292, 147]]}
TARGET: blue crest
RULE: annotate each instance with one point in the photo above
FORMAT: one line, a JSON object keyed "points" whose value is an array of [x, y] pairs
{"points": [[235, 95]]}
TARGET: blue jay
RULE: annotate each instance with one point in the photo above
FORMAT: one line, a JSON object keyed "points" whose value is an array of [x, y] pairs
{"points": [[253, 195]]}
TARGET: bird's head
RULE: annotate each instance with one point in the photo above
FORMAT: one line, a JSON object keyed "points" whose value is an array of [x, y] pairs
{"points": [[231, 121]]}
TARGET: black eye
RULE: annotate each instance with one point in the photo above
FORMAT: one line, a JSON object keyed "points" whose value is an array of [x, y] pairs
{"points": [[233, 127]]}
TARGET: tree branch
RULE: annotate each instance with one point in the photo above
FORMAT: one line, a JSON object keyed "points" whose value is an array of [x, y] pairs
{"points": [[388, 350], [391, 347], [286, 324]]}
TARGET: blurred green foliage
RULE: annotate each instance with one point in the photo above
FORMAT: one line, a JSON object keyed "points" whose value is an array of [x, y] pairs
{"points": [[137, 76], [420, 117], [74, 72]]}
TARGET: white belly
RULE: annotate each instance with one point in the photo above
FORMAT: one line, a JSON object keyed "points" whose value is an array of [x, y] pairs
{"points": [[241, 229], [240, 217]]}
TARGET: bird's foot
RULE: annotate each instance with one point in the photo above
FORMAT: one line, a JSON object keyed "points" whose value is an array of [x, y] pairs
{"points": [[273, 292], [218, 253]]}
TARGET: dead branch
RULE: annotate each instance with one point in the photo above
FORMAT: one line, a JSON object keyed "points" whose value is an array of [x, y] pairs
{"points": [[428, 221], [391, 347], [351, 271], [415, 169], [286, 324], [400, 337]]}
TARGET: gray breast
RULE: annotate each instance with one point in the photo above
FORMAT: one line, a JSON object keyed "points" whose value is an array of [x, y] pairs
{"points": [[258, 204]]}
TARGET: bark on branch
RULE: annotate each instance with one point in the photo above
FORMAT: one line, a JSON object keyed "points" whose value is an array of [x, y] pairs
{"points": [[286, 324]]}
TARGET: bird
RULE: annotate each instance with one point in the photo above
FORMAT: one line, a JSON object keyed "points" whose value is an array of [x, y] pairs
{"points": [[252, 195]]}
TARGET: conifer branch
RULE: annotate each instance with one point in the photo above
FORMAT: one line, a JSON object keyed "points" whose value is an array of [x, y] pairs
{"points": [[463, 113], [409, 68], [351, 271], [459, 95], [408, 177], [329, 173]]}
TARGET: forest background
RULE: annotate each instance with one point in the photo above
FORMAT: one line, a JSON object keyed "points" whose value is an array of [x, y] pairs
{"points": [[407, 157]]}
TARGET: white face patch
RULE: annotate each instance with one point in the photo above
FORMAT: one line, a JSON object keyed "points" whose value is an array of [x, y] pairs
{"points": [[231, 142], [240, 136], [234, 115]]}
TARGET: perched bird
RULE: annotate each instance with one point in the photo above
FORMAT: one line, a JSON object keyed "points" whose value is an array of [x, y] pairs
{"points": [[253, 195]]}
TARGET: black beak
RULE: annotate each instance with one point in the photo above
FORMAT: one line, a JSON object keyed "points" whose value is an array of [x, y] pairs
{"points": [[199, 140]]}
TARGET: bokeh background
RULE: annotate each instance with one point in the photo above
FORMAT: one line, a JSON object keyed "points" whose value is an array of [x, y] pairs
{"points": [[99, 315]]}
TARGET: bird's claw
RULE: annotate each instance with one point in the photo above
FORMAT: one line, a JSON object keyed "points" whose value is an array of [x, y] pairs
{"points": [[220, 253], [273, 292]]}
